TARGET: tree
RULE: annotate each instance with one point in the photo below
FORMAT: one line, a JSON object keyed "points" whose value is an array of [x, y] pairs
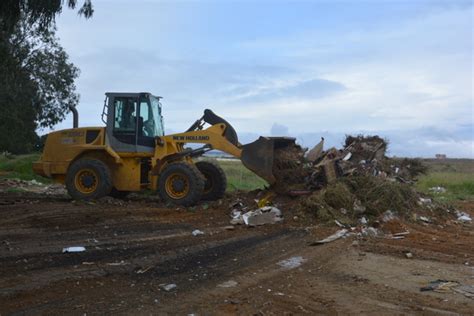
{"points": [[41, 12], [39, 54], [17, 119], [36, 77]]}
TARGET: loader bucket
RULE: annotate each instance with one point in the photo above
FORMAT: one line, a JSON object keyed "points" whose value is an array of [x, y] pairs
{"points": [[258, 156]]}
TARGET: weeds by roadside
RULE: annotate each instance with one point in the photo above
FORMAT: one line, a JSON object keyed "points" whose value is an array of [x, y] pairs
{"points": [[459, 186], [20, 167]]}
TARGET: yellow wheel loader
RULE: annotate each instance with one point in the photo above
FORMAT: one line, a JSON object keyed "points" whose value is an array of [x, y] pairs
{"points": [[132, 153]]}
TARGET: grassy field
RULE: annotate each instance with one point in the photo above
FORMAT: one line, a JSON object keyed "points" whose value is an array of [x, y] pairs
{"points": [[20, 167], [239, 177], [455, 175]]}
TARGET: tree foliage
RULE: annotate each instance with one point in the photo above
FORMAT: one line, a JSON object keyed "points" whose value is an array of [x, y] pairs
{"points": [[40, 12], [36, 78], [17, 120], [39, 54]]}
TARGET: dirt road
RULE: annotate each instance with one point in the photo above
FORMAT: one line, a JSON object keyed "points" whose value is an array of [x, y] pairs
{"points": [[135, 248]]}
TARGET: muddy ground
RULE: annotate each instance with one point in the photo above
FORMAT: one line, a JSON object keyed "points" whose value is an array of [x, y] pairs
{"points": [[134, 248]]}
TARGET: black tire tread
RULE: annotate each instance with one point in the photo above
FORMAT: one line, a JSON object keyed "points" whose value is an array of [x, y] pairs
{"points": [[220, 179], [103, 171], [196, 180]]}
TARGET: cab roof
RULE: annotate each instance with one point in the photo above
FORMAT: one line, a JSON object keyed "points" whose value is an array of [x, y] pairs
{"points": [[130, 94]]}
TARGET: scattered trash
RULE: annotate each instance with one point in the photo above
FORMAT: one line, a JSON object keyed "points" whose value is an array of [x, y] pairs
{"points": [[262, 216], [236, 217], [388, 216], [464, 217], [409, 255], [402, 233], [442, 286], [425, 219], [168, 287], [143, 270], [238, 208], [315, 153], [266, 199], [333, 237], [399, 235], [425, 200], [358, 207], [369, 232], [227, 284], [437, 189], [121, 263], [363, 220], [231, 227], [466, 290], [74, 249], [292, 262], [347, 157], [197, 232]]}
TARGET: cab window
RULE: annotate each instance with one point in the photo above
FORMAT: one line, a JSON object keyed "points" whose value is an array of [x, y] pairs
{"points": [[125, 119]]}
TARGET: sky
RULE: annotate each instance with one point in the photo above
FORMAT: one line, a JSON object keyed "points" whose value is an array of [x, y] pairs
{"points": [[307, 69]]}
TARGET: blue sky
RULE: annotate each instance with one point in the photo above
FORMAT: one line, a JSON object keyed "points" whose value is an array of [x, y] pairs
{"points": [[400, 69]]}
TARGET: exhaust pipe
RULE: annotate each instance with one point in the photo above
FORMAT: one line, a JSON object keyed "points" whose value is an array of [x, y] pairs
{"points": [[75, 116]]}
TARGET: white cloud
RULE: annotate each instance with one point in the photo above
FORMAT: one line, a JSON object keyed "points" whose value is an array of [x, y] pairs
{"points": [[402, 76]]}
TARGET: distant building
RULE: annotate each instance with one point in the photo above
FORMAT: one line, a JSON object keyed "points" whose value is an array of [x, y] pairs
{"points": [[440, 156]]}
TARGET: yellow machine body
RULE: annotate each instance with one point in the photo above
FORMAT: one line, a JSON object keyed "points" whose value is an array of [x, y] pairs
{"points": [[65, 146], [138, 167]]}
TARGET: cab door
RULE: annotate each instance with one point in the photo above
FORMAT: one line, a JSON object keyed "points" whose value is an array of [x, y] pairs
{"points": [[122, 122], [127, 116]]}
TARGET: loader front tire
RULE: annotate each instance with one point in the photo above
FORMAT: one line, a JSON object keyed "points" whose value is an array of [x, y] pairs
{"points": [[181, 183], [88, 179], [216, 181]]}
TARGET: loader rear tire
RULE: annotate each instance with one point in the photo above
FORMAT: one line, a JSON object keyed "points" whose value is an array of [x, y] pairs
{"points": [[216, 181], [88, 179], [181, 183]]}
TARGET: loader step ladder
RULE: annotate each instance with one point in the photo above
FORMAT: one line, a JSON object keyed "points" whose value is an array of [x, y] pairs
{"points": [[105, 112]]}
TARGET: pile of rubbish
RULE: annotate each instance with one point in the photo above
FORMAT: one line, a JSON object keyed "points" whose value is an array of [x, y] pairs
{"points": [[356, 186], [297, 171]]}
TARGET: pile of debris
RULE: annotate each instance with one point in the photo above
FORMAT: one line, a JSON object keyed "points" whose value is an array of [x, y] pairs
{"points": [[362, 156], [357, 185]]}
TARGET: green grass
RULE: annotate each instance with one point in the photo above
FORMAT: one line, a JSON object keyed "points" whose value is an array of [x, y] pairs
{"points": [[239, 177], [20, 167], [458, 185]]}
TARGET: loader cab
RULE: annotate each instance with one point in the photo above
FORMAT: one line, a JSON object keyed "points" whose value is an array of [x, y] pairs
{"points": [[133, 120]]}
